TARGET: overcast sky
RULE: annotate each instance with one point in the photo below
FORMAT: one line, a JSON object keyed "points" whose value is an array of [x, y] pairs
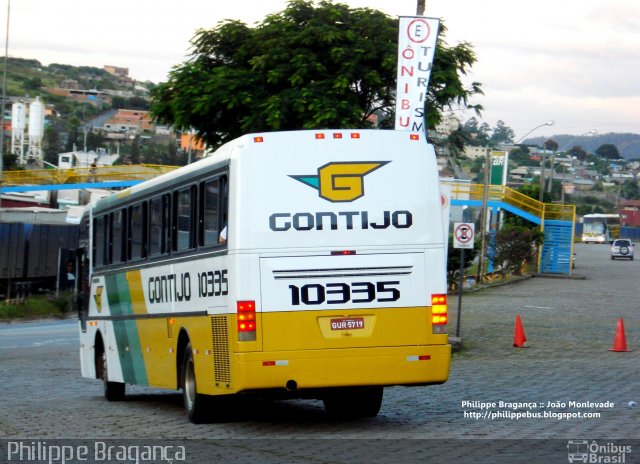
{"points": [[572, 61]]}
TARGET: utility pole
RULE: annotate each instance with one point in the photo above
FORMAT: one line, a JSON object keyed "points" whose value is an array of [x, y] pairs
{"points": [[542, 169], [4, 97], [420, 8], [483, 220]]}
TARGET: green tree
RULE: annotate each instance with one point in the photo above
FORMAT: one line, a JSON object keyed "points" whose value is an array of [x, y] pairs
{"points": [[608, 151], [501, 134], [516, 245], [578, 152], [314, 65], [51, 144], [136, 149], [630, 190], [520, 156], [74, 136], [532, 190], [478, 135]]}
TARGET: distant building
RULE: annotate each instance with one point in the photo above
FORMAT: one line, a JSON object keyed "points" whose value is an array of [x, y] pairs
{"points": [[630, 213], [117, 71], [129, 121], [82, 95], [121, 74], [475, 152], [82, 159], [448, 125], [189, 141]]}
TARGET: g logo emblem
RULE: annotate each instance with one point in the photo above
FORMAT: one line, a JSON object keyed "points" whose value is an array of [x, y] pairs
{"points": [[341, 181]]}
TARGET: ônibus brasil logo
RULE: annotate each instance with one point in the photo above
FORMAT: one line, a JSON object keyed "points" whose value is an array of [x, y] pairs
{"points": [[341, 181]]}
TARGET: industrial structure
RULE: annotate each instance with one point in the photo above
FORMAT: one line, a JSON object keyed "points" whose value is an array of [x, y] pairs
{"points": [[31, 149]]}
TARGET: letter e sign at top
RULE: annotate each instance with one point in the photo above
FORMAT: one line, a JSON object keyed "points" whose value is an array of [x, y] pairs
{"points": [[418, 30]]}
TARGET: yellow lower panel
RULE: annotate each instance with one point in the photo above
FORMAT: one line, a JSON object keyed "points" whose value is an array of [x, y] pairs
{"points": [[342, 367], [312, 330]]}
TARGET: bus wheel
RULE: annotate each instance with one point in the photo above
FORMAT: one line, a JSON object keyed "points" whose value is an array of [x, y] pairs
{"points": [[354, 402], [194, 402], [113, 391]]}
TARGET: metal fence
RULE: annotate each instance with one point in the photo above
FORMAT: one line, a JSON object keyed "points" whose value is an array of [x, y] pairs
{"points": [[82, 175]]}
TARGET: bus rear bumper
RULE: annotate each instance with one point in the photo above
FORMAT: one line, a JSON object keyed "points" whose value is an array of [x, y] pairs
{"points": [[313, 369]]}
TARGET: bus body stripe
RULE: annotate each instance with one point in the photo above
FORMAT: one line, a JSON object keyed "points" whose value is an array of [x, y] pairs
{"points": [[126, 331]]}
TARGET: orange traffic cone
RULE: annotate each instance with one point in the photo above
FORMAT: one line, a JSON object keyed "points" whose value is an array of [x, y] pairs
{"points": [[520, 338], [620, 342]]}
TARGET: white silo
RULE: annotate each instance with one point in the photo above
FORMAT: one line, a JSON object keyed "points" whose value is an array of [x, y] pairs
{"points": [[36, 129], [18, 124]]}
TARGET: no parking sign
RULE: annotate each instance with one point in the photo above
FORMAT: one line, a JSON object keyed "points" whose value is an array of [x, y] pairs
{"points": [[463, 234]]}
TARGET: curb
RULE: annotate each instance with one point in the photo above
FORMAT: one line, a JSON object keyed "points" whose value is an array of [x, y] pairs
{"points": [[560, 276]]}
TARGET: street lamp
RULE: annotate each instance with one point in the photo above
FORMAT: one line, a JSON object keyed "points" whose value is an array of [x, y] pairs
{"points": [[591, 132], [542, 161], [551, 122], [548, 123]]}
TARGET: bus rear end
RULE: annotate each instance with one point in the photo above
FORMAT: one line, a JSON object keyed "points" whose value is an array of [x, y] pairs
{"points": [[338, 244]]}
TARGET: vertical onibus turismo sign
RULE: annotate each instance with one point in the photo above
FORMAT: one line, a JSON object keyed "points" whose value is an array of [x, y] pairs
{"points": [[416, 48]]}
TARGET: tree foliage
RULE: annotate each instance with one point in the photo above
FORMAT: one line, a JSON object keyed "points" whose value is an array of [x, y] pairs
{"points": [[608, 151], [630, 190], [483, 135], [313, 65], [578, 152], [516, 245], [501, 134]]}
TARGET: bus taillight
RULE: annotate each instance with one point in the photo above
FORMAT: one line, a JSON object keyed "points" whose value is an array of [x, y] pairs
{"points": [[246, 320], [439, 313]]}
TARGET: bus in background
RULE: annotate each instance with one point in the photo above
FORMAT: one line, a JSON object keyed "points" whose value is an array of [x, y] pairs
{"points": [[307, 264], [600, 228]]}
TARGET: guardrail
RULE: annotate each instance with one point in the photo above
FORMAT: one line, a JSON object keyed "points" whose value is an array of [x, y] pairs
{"points": [[82, 175], [500, 193]]}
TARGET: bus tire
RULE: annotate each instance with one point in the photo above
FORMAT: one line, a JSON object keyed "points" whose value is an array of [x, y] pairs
{"points": [[194, 402], [113, 391], [354, 402]]}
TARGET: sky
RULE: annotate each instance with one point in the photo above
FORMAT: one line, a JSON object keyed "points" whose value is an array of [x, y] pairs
{"points": [[574, 62]]}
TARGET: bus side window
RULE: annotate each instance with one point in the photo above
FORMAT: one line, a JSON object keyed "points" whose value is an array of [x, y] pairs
{"points": [[99, 241], [118, 235], [159, 225], [137, 231], [223, 218], [184, 218], [210, 212]]}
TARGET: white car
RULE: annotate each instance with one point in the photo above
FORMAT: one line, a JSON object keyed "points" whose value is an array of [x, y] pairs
{"points": [[622, 248]]}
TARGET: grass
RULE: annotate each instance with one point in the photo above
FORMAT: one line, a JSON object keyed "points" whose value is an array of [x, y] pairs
{"points": [[36, 307]]}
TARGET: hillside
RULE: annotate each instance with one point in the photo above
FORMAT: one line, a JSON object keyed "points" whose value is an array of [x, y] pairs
{"points": [[628, 144], [29, 77]]}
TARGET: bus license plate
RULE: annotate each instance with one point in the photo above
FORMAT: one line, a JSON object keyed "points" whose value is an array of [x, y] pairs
{"points": [[347, 323]]}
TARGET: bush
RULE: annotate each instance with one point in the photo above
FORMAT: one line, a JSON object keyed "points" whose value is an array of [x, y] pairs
{"points": [[37, 306], [516, 245]]}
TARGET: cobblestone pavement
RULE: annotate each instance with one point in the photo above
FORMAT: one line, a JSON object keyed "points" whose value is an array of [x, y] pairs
{"points": [[570, 324]]}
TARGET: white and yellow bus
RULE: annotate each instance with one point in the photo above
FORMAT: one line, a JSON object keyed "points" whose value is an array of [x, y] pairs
{"points": [[600, 228], [307, 264]]}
